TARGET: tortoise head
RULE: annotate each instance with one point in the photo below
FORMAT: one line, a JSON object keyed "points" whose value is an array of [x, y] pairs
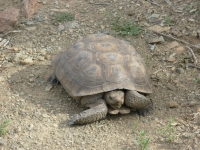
{"points": [[115, 98]]}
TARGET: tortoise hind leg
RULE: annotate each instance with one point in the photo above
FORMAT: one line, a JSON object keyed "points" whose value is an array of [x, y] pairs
{"points": [[139, 102], [97, 110]]}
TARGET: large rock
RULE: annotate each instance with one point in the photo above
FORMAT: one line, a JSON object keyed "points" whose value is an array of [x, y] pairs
{"points": [[29, 7], [8, 19]]}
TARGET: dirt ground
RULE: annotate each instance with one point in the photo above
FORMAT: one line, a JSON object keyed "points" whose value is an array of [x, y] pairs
{"points": [[39, 113]]}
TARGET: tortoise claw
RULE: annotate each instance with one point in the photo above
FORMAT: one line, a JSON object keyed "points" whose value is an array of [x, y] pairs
{"points": [[53, 79], [144, 112]]}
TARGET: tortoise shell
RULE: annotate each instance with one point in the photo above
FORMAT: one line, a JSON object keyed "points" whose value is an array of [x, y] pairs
{"points": [[101, 63]]}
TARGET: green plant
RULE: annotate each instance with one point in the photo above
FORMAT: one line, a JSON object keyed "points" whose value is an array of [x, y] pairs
{"points": [[64, 16], [169, 131], [168, 20], [142, 140], [3, 127], [125, 27], [192, 72], [147, 60], [198, 80], [189, 8]]}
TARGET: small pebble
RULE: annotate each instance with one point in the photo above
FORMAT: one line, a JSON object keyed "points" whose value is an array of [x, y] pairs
{"points": [[172, 104]]}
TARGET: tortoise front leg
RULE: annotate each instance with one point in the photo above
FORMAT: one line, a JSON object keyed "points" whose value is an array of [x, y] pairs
{"points": [[138, 101], [97, 110]]}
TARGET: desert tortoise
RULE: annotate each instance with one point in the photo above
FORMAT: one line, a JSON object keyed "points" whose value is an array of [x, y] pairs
{"points": [[100, 70]]}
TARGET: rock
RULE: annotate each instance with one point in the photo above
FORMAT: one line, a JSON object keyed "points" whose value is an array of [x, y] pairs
{"points": [[48, 57], [15, 49], [2, 79], [159, 28], [18, 129], [155, 15], [27, 61], [172, 104], [176, 33], [171, 59], [40, 58], [120, 7], [185, 32], [173, 44], [77, 16], [29, 7], [38, 18], [193, 103], [191, 20], [180, 49], [187, 135], [152, 46], [2, 143], [198, 45], [30, 127], [48, 87], [8, 19], [31, 28], [156, 40], [45, 115], [29, 23], [180, 70], [61, 27]]}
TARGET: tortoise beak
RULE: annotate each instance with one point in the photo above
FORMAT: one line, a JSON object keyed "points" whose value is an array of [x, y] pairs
{"points": [[116, 106]]}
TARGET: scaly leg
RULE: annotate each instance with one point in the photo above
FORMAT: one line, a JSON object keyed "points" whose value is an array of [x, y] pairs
{"points": [[97, 110], [139, 102]]}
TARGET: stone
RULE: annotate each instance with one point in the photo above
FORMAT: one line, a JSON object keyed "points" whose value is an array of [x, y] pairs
{"points": [[156, 40], [29, 7], [171, 59], [15, 49], [173, 44], [2, 143], [27, 61], [2, 79], [40, 58], [61, 27], [193, 103], [38, 18], [179, 70], [8, 19], [30, 127], [31, 28], [48, 87], [159, 28], [155, 15], [180, 49], [45, 116], [172, 104]]}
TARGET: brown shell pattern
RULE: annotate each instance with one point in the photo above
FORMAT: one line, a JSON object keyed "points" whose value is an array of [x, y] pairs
{"points": [[100, 63]]}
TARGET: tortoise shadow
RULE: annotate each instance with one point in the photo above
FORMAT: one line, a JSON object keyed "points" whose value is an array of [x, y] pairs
{"points": [[30, 82]]}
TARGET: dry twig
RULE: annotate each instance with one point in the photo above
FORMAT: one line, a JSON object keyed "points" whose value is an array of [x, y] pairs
{"points": [[179, 40], [153, 2], [192, 65], [195, 59], [14, 31]]}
